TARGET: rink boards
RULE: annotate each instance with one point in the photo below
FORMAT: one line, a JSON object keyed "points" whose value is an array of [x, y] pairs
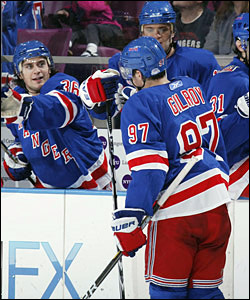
{"points": [[55, 243]]}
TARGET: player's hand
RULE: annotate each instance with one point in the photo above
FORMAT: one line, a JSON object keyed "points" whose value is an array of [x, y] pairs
{"points": [[19, 170], [127, 231], [15, 107], [242, 105], [99, 87], [122, 95]]}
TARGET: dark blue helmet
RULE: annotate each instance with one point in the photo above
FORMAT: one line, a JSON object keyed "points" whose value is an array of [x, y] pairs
{"points": [[144, 54], [157, 12], [241, 29], [28, 50]]}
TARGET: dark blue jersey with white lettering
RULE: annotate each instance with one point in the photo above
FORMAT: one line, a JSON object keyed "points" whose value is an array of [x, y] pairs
{"points": [[162, 127], [58, 137]]}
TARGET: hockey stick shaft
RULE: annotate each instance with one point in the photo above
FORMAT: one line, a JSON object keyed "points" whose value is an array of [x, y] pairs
{"points": [[163, 198], [114, 192], [15, 159], [111, 153]]}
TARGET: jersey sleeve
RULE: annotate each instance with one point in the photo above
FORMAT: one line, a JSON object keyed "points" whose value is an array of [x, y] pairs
{"points": [[224, 91], [56, 106], [235, 131], [53, 110]]}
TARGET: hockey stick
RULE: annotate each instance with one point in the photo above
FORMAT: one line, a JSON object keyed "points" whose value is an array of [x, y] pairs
{"points": [[112, 157], [163, 198], [15, 159]]}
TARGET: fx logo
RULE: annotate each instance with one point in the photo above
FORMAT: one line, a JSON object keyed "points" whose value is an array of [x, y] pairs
{"points": [[13, 270]]}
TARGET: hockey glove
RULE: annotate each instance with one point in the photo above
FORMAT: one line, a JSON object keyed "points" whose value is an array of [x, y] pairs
{"points": [[122, 95], [15, 107], [127, 231], [99, 87], [19, 170], [242, 106]]}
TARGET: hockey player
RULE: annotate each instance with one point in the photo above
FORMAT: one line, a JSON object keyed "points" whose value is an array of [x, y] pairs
{"points": [[9, 37], [229, 95], [54, 135], [30, 14], [157, 19], [163, 125]]}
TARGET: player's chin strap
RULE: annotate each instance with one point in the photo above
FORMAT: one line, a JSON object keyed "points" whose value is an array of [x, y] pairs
{"points": [[173, 43], [246, 62], [163, 198]]}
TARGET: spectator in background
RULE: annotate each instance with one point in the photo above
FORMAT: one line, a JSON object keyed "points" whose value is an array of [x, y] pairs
{"points": [[220, 38], [9, 37], [92, 23], [193, 21], [30, 14], [17, 15], [213, 5]]}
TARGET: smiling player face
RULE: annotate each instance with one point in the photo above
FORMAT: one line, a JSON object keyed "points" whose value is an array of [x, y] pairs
{"points": [[35, 72]]}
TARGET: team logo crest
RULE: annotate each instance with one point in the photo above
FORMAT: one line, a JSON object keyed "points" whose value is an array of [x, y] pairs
{"points": [[174, 85], [133, 49], [161, 62], [229, 69]]}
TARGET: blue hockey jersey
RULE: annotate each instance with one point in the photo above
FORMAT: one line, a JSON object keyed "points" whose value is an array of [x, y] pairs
{"points": [[59, 140], [199, 64], [224, 90], [227, 86], [162, 127], [9, 34], [29, 14]]}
